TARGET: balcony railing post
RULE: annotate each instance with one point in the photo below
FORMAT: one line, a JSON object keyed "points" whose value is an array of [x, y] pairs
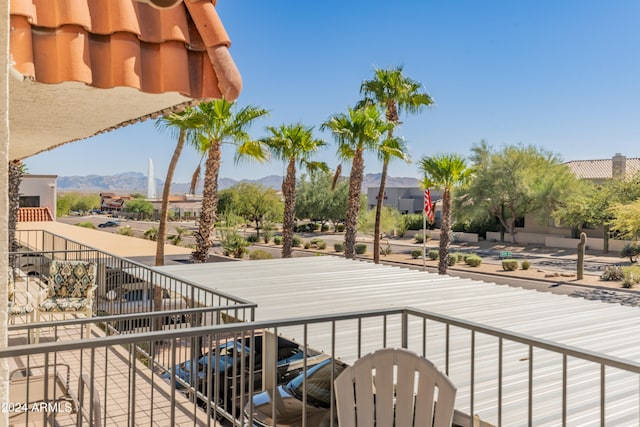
{"points": [[405, 329]]}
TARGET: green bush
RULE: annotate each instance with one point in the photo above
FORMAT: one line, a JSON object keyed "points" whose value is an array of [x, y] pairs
{"points": [[260, 254], [324, 227], [433, 254], [151, 234], [416, 253], [340, 228], [460, 256], [125, 231], [252, 238], [297, 241], [307, 245], [234, 245], [473, 260], [452, 259], [277, 240], [338, 247], [361, 249], [631, 276], [267, 235], [418, 238], [509, 264], [413, 221], [317, 243], [525, 265], [86, 224], [630, 250]]}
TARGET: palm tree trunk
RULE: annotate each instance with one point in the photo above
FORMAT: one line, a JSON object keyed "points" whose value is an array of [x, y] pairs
{"points": [[445, 228], [166, 191], [15, 178], [289, 190], [379, 202], [209, 204], [353, 204]]}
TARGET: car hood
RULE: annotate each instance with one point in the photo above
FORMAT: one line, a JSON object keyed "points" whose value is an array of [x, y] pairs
{"points": [[289, 413]]}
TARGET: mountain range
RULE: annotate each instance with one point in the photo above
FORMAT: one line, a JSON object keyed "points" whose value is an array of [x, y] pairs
{"points": [[136, 182]]}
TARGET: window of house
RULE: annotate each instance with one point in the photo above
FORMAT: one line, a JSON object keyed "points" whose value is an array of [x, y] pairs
{"points": [[520, 222], [29, 201]]}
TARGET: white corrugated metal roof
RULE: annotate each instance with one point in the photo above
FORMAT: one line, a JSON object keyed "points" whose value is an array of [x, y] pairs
{"points": [[300, 287]]}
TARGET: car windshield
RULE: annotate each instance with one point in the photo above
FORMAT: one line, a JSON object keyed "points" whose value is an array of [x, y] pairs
{"points": [[318, 383]]}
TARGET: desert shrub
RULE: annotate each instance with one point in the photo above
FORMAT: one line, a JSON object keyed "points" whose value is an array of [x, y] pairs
{"points": [[631, 251], [413, 221], [125, 231], [297, 241], [252, 238], [234, 245], [317, 243], [361, 249], [473, 260], [307, 245], [86, 224], [267, 235], [612, 273], [277, 240], [416, 253], [386, 250], [324, 227], [460, 256], [433, 254], [151, 234], [525, 264], [340, 228], [338, 247], [452, 259], [418, 238], [260, 254], [631, 276], [509, 264]]}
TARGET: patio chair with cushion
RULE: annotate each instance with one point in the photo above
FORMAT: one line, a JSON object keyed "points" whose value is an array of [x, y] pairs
{"points": [[19, 308], [70, 289], [394, 387]]}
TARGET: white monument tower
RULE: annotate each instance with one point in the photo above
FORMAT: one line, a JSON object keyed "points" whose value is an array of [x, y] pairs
{"points": [[151, 182]]}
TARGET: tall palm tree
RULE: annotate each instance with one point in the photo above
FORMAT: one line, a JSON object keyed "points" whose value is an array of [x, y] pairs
{"points": [[294, 144], [180, 124], [444, 171], [396, 93], [219, 124], [359, 130]]}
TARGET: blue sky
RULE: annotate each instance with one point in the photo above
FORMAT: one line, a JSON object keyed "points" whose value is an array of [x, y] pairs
{"points": [[561, 75]]}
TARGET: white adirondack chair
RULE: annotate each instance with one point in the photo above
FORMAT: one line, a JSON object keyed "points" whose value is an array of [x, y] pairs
{"points": [[394, 387]]}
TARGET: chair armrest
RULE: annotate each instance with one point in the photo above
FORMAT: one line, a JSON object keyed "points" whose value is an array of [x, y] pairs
{"points": [[91, 291], [43, 294], [29, 298]]}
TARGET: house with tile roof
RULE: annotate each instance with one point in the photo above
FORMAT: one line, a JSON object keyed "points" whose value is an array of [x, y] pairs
{"points": [[598, 171], [37, 198]]}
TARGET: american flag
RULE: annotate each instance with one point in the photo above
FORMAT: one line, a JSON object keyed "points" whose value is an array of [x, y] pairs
{"points": [[429, 208]]}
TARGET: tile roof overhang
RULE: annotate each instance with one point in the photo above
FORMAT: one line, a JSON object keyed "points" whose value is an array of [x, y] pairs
{"points": [[84, 67]]}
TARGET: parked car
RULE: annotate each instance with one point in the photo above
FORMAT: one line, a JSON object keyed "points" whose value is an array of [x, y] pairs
{"points": [[290, 362], [318, 382], [140, 299], [109, 224]]}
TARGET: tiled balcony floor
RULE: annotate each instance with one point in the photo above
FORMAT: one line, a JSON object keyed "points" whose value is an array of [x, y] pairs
{"points": [[112, 376]]}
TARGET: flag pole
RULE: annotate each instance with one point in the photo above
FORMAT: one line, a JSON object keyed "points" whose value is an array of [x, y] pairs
{"points": [[424, 240]]}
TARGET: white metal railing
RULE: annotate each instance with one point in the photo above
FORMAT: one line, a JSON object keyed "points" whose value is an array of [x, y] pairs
{"points": [[503, 378]]}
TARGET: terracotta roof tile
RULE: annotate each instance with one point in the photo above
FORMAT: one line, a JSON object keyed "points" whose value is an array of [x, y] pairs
{"points": [[113, 43], [601, 168], [34, 215]]}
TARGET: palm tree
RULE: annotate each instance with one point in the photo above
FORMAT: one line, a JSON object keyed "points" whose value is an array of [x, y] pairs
{"points": [[219, 124], [294, 144], [180, 124], [396, 93], [445, 171], [359, 130]]}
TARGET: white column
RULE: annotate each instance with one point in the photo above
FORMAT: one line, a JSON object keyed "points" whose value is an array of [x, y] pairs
{"points": [[4, 202]]}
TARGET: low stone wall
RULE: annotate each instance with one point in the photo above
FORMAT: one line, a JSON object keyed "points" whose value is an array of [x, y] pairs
{"points": [[551, 241], [455, 236]]}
